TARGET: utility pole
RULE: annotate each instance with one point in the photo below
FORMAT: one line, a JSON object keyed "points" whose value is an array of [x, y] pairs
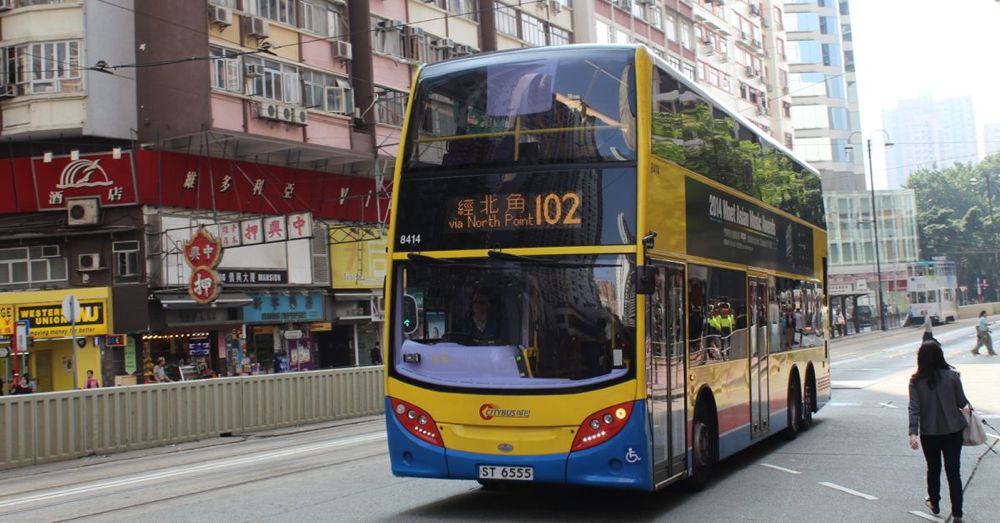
{"points": [[878, 263]]}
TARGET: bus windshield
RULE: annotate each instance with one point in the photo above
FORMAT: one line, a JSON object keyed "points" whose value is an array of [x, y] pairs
{"points": [[549, 107], [517, 323]]}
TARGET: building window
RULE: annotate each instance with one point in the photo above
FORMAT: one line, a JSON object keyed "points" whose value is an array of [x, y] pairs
{"points": [[44, 67], [325, 92], [464, 8], [656, 16], [226, 73], [387, 39], [232, 4], [686, 36], [275, 81], [29, 265], [323, 18], [278, 10], [558, 36], [390, 108], [126, 259], [507, 20], [670, 27], [532, 30]]}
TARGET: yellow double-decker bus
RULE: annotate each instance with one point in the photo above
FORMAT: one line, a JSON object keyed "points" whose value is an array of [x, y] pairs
{"points": [[598, 275]]}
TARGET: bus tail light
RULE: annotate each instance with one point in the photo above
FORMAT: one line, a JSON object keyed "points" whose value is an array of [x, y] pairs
{"points": [[601, 426], [417, 422]]}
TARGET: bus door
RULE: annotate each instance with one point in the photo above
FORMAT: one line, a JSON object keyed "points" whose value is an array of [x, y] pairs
{"points": [[757, 321], [666, 372]]}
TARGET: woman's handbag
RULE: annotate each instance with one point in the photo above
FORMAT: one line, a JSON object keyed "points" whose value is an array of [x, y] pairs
{"points": [[974, 433]]}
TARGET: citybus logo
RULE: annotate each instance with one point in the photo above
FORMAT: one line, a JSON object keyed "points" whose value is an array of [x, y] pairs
{"points": [[488, 412]]}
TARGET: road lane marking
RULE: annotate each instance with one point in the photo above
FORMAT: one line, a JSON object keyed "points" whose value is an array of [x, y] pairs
{"points": [[890, 405], [835, 486], [844, 404], [851, 384], [926, 516], [783, 469], [183, 471]]}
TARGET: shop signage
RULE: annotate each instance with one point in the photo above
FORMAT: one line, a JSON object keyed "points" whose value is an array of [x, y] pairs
{"points": [[293, 335], [22, 338], [130, 362], [204, 285], [203, 252], [201, 316], [94, 176], [253, 276], [47, 320], [266, 230], [279, 307], [840, 288], [358, 264], [6, 320], [321, 327], [115, 340]]}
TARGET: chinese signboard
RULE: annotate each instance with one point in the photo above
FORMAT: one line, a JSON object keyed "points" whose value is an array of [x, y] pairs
{"points": [[253, 276], [203, 252], [47, 320], [280, 308], [95, 176], [358, 264]]}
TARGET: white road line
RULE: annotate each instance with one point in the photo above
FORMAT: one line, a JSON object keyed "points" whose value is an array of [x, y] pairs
{"points": [[783, 469], [890, 405], [927, 516], [183, 471], [844, 404], [835, 486]]}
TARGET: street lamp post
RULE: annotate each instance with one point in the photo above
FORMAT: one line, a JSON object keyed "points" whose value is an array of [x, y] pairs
{"points": [[878, 262]]}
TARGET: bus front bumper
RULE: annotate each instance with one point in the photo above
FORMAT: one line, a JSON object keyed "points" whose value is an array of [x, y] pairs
{"points": [[623, 461]]}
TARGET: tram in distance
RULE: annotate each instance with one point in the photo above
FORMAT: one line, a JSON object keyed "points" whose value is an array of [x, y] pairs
{"points": [[932, 289], [598, 275]]}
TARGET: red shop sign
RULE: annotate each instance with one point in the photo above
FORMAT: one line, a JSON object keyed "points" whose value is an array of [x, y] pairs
{"points": [[96, 175], [204, 285], [203, 250]]}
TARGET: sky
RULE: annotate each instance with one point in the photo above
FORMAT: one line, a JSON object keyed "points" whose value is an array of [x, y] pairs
{"points": [[903, 48]]}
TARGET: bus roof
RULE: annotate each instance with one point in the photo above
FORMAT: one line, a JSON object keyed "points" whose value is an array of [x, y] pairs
{"points": [[467, 61]]}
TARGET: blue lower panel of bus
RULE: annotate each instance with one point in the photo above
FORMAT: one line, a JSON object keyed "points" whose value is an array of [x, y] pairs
{"points": [[623, 461]]}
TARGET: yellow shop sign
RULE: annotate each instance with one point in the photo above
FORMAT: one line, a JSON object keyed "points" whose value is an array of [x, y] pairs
{"points": [[46, 320]]}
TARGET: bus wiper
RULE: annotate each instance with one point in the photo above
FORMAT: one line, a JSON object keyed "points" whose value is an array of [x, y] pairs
{"points": [[543, 262], [423, 258]]}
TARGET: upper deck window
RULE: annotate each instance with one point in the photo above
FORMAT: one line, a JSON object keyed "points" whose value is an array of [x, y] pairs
{"points": [[542, 107]]}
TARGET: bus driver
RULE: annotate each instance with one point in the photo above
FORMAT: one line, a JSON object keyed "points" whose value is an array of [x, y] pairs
{"points": [[482, 322]]}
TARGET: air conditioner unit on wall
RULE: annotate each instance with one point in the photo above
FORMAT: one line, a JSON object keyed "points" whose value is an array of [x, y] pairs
{"points": [[301, 117], [220, 15], [82, 211], [90, 261], [269, 111], [6, 5], [341, 49], [257, 27], [286, 113], [555, 6]]}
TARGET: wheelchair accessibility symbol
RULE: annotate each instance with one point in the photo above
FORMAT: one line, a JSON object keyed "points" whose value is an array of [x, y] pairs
{"points": [[632, 456]]}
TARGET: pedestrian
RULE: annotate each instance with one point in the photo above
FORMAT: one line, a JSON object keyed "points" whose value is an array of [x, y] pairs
{"points": [[376, 354], [91, 381], [983, 337], [936, 397], [20, 386], [160, 372], [841, 323]]}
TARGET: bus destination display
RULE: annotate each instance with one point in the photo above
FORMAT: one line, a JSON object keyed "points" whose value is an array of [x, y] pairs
{"points": [[515, 211]]}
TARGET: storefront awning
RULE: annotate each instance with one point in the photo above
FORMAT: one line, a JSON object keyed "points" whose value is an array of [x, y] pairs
{"points": [[184, 301]]}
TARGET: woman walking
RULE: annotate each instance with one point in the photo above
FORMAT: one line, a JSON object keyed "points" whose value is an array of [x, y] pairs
{"points": [[983, 337], [936, 397]]}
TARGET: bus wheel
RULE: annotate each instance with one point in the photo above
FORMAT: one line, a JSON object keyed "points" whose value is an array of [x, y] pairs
{"points": [[704, 446], [794, 411], [809, 403]]}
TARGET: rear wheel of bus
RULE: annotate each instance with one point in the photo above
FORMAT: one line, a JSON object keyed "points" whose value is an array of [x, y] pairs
{"points": [[705, 446], [794, 410]]}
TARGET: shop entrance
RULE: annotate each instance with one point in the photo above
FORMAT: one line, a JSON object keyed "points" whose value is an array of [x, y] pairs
{"points": [[337, 347]]}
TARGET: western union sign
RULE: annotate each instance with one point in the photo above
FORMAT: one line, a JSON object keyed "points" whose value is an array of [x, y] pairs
{"points": [[47, 320]]}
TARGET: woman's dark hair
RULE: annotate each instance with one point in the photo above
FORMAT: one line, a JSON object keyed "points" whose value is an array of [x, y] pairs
{"points": [[982, 313], [930, 360]]}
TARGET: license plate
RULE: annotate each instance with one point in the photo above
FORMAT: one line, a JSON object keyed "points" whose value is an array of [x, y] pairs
{"points": [[506, 473]]}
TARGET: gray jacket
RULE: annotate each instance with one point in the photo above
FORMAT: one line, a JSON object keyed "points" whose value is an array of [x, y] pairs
{"points": [[936, 412]]}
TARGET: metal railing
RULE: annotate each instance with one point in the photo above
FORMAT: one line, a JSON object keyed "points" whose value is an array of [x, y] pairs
{"points": [[54, 426]]}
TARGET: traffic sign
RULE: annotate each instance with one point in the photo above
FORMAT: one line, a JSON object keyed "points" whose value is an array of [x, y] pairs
{"points": [[22, 337], [71, 308], [6, 320]]}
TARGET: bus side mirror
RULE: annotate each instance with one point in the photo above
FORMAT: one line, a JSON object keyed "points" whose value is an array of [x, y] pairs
{"points": [[410, 319], [645, 280]]}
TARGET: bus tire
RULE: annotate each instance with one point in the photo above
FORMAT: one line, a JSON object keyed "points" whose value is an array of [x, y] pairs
{"points": [[704, 447], [808, 402], [794, 410]]}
